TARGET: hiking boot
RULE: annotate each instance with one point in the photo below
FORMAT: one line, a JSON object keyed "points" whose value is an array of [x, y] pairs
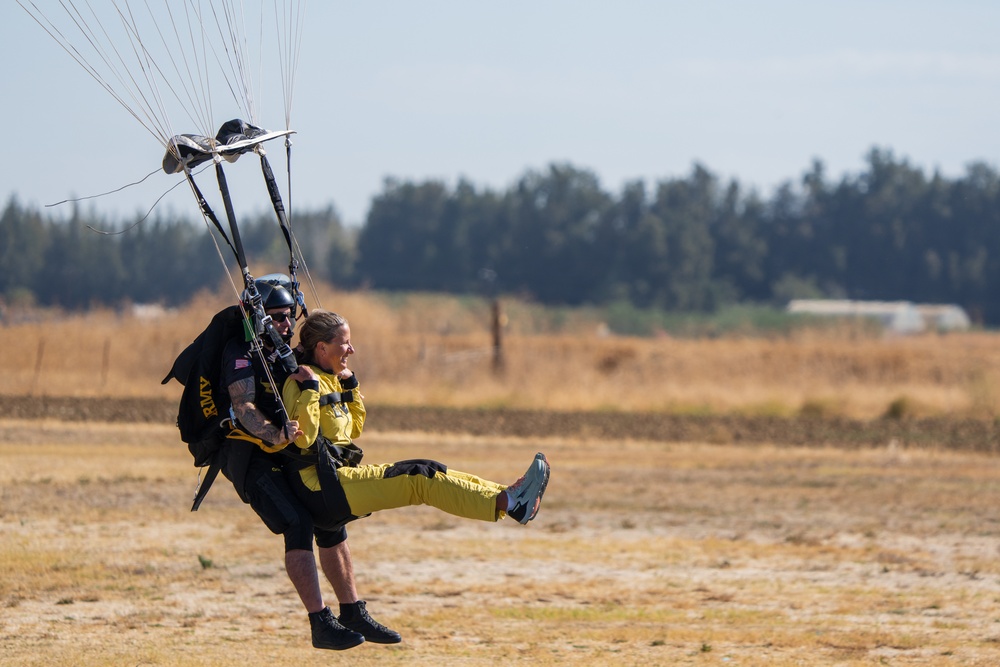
{"points": [[327, 632], [355, 617], [525, 495]]}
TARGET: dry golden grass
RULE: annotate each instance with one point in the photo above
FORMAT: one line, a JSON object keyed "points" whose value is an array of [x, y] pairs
{"points": [[436, 351], [660, 555]]}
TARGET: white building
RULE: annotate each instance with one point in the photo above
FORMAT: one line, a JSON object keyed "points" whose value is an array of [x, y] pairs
{"points": [[944, 317], [901, 317]]}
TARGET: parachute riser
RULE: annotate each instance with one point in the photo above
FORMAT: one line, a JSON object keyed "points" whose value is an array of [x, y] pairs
{"points": [[279, 211], [227, 202], [206, 210], [262, 322]]}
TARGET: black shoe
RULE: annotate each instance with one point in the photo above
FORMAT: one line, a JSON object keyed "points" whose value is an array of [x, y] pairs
{"points": [[355, 617], [327, 632]]}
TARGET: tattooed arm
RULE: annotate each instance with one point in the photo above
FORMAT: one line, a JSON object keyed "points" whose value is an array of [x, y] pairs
{"points": [[241, 393]]}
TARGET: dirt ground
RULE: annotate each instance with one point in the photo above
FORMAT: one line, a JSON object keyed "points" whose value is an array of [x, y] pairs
{"points": [[953, 433], [644, 553]]}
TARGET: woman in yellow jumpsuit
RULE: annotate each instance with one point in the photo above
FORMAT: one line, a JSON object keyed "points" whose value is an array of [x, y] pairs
{"points": [[325, 474]]}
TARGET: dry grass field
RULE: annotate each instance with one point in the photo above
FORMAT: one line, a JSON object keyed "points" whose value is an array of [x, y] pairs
{"points": [[422, 350], [650, 549]]}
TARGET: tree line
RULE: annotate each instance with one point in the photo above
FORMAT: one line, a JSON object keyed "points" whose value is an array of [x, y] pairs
{"points": [[693, 243]]}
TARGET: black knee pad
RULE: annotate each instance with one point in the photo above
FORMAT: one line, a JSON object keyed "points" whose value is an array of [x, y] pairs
{"points": [[327, 538], [424, 467]]}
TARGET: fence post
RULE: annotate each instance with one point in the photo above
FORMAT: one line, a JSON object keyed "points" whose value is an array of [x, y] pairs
{"points": [[497, 326], [38, 363], [105, 362]]}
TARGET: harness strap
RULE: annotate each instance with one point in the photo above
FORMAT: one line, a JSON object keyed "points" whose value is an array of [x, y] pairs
{"points": [[341, 456], [213, 471], [297, 460], [239, 433], [336, 397]]}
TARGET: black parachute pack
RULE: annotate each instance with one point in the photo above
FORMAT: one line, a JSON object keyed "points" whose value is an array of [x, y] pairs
{"points": [[203, 413]]}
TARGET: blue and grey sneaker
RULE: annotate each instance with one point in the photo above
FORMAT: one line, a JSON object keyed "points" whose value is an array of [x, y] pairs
{"points": [[525, 495]]}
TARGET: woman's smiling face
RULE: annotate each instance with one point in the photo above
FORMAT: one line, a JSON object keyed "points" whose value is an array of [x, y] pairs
{"points": [[332, 355]]}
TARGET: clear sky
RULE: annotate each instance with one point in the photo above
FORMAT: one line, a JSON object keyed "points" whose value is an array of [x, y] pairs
{"points": [[631, 89]]}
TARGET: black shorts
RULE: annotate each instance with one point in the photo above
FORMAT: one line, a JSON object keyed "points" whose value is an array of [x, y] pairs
{"points": [[275, 503]]}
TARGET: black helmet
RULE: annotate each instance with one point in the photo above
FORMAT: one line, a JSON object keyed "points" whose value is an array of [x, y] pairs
{"points": [[275, 290], [275, 296]]}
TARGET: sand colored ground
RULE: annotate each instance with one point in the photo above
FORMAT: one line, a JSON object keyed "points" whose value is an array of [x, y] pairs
{"points": [[644, 553]]}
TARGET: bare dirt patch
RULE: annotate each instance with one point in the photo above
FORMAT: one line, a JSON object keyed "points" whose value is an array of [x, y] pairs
{"points": [[645, 553]]}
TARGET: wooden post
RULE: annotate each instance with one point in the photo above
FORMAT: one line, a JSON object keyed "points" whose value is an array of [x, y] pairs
{"points": [[497, 327], [488, 278], [105, 362], [38, 363]]}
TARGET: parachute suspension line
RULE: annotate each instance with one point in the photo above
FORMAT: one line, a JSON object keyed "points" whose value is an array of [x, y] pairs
{"points": [[299, 26], [198, 107], [288, 22], [241, 51], [257, 347], [260, 56], [289, 25], [109, 192], [293, 243], [205, 49], [147, 65], [137, 222], [157, 120], [294, 250], [208, 213], [305, 268], [195, 70], [232, 35], [74, 53]]}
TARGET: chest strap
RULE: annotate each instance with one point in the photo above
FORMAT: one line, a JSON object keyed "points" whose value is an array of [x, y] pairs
{"points": [[336, 397]]}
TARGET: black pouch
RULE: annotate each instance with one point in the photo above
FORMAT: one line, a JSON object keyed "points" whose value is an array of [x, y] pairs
{"points": [[330, 457]]}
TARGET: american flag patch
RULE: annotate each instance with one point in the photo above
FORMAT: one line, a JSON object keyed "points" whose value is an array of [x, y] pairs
{"points": [[242, 363]]}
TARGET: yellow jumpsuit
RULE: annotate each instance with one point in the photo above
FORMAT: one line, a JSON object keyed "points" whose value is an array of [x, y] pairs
{"points": [[370, 488]]}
